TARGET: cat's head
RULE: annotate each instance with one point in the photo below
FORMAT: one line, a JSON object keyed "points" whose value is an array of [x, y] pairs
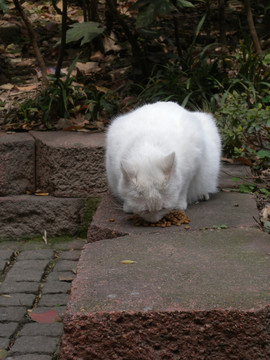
{"points": [[144, 186]]}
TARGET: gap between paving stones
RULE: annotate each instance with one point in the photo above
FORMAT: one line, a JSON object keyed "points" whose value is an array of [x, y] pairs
{"points": [[18, 334]]}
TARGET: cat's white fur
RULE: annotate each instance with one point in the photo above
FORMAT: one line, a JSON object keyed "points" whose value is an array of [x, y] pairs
{"points": [[161, 157]]}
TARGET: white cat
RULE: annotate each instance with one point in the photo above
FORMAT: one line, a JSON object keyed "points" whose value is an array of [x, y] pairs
{"points": [[161, 157]]}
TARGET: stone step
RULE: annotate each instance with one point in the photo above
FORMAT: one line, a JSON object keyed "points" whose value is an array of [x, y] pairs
{"points": [[230, 209], [66, 164], [70, 164], [17, 164], [29, 215], [188, 295]]}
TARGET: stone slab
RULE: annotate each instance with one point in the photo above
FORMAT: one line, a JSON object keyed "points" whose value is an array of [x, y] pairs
{"points": [[52, 300], [17, 164], [29, 357], [12, 313], [6, 330], [35, 344], [4, 342], [17, 299], [233, 175], [46, 254], [195, 295], [5, 256], [27, 287], [29, 215], [55, 287], [70, 164], [230, 209], [32, 329]]}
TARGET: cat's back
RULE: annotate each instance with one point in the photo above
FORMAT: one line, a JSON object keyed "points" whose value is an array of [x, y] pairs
{"points": [[160, 116]]}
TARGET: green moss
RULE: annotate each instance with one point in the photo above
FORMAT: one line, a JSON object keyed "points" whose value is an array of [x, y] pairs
{"points": [[88, 212]]}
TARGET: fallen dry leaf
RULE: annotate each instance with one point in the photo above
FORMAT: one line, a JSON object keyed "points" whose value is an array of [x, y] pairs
{"points": [[46, 317], [128, 262], [7, 86], [26, 88], [68, 277]]}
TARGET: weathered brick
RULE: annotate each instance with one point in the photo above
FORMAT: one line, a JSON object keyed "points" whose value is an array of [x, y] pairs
{"points": [[17, 164], [29, 357], [35, 344], [4, 341], [56, 287], [27, 287], [65, 265], [6, 330], [5, 255], [12, 313], [65, 276], [17, 300], [25, 275], [70, 164], [35, 329], [53, 300], [44, 254], [34, 265], [70, 255]]}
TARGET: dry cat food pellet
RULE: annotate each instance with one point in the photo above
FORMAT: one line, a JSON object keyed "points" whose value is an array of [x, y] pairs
{"points": [[175, 217]]}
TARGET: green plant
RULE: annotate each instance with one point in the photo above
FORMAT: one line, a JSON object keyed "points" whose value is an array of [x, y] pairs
{"points": [[193, 82], [245, 130], [65, 98], [85, 32], [55, 100]]}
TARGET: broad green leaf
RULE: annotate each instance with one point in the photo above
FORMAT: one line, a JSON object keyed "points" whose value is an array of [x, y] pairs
{"points": [[263, 154], [184, 3], [86, 31], [148, 10], [146, 16], [4, 7], [246, 188]]}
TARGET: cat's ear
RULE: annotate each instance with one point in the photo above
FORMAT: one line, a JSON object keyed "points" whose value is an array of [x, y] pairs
{"points": [[167, 164], [128, 171]]}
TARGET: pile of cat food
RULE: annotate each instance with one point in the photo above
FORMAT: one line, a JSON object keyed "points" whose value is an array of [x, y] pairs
{"points": [[175, 217]]}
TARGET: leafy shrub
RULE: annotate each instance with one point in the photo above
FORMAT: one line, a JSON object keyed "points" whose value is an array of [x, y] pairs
{"points": [[245, 129]]}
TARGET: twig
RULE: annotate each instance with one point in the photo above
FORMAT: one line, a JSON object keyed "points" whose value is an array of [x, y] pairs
{"points": [[63, 40], [252, 28], [33, 38], [258, 223]]}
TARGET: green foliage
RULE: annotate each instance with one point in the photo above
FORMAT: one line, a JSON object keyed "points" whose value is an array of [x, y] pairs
{"points": [[193, 82], [148, 10], [244, 129], [86, 31], [64, 98], [4, 6], [88, 212]]}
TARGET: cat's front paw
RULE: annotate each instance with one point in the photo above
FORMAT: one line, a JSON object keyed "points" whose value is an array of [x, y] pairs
{"points": [[182, 205], [127, 209]]}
